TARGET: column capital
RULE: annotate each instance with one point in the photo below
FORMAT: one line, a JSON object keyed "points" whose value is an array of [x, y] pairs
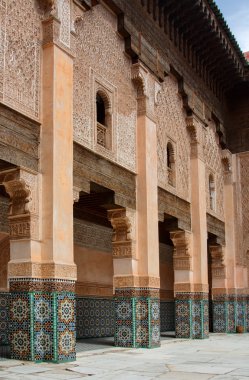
{"points": [[218, 266], [123, 243], [182, 257]]}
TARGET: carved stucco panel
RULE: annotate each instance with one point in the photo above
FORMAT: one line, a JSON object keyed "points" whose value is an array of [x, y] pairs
{"points": [[3, 10], [213, 161], [103, 53], [65, 19], [21, 64], [171, 125], [244, 175]]}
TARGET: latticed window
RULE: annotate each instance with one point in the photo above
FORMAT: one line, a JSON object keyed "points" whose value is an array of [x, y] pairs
{"points": [[211, 185], [104, 120], [171, 164]]}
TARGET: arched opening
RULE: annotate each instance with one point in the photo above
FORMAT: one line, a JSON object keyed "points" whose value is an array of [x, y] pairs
{"points": [[171, 164], [100, 107], [95, 307], [103, 120], [211, 185], [167, 304]]}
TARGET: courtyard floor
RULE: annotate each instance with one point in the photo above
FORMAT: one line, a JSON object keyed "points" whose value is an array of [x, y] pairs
{"points": [[219, 357]]}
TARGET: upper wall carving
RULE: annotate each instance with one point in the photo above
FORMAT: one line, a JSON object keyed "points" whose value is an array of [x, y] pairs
{"points": [[244, 175], [20, 33], [171, 127], [101, 54], [214, 167]]}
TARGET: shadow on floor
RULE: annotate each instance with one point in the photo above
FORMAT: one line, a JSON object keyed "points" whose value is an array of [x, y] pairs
{"points": [[90, 344], [168, 335]]}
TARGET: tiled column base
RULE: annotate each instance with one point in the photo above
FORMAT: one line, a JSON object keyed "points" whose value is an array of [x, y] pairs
{"points": [[247, 313], [192, 319], [229, 311], [4, 318], [137, 317], [42, 319]]}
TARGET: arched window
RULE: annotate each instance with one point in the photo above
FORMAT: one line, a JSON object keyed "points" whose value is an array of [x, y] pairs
{"points": [[211, 185], [103, 120], [171, 164]]}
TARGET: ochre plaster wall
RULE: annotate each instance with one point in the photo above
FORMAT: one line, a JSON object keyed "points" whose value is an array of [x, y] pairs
{"points": [[93, 266]]}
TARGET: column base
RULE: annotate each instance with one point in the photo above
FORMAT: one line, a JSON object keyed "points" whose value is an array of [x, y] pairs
{"points": [[192, 318], [137, 317], [42, 320]]}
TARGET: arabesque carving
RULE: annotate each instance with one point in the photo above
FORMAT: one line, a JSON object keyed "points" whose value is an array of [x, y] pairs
{"points": [[182, 259], [123, 246], [171, 127]]}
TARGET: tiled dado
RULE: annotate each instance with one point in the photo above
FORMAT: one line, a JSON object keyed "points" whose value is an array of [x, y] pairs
{"points": [[95, 317], [42, 322], [4, 318], [230, 311], [137, 317], [191, 315]]}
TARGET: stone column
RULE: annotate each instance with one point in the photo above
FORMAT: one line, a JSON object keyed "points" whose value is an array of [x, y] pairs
{"points": [[42, 272], [191, 280], [136, 271]]}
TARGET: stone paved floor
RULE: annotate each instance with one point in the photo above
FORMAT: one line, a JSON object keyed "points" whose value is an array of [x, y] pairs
{"points": [[221, 357]]}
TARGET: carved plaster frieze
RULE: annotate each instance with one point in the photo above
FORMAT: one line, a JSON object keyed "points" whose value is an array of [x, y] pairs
{"points": [[182, 257], [123, 246], [94, 289], [136, 281], [41, 270], [190, 288]]}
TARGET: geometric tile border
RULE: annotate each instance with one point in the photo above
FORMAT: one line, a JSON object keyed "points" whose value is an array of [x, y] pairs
{"points": [[137, 312], [192, 315], [95, 317]]}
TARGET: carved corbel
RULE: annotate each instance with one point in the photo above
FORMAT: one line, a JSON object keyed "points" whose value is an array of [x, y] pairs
{"points": [[76, 194], [22, 187], [182, 258], [139, 77], [227, 165], [122, 242], [217, 264], [195, 135]]}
